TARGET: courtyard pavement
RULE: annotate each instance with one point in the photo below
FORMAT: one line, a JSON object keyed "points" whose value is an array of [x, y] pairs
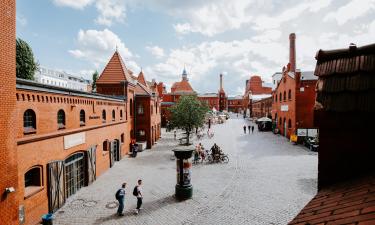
{"points": [[268, 180]]}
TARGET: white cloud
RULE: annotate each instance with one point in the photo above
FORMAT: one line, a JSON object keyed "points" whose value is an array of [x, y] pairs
{"points": [[97, 46], [156, 51], [109, 11], [21, 19], [214, 17], [76, 4], [352, 10]]}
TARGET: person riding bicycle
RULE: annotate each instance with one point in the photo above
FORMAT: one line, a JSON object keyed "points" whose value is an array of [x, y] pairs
{"points": [[215, 151]]}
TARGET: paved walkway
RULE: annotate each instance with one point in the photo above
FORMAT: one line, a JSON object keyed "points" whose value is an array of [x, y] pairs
{"points": [[267, 181]]}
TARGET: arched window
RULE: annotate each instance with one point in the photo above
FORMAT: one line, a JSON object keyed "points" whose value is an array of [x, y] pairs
{"points": [[61, 119], [33, 181], [289, 123], [82, 118], [105, 145], [280, 121], [280, 97], [131, 107], [113, 115], [29, 122], [121, 114], [284, 95], [122, 138], [104, 116], [290, 94], [140, 109]]}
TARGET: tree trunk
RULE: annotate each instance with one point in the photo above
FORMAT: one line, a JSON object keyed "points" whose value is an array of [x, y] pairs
{"points": [[187, 138]]}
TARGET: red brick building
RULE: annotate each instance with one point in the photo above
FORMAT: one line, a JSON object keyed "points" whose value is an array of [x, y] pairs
{"points": [[178, 89], [235, 104], [293, 98], [223, 104], [254, 89], [345, 105], [9, 202], [117, 80], [211, 99], [147, 106], [262, 108], [65, 139]]}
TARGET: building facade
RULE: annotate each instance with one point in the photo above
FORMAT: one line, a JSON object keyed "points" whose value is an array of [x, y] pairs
{"points": [[147, 109], [235, 104], [61, 79], [262, 108], [254, 90], [293, 98], [65, 140], [210, 99], [9, 201]]}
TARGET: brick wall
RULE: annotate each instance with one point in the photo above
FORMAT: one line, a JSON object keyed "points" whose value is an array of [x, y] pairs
{"points": [[8, 153], [47, 143]]}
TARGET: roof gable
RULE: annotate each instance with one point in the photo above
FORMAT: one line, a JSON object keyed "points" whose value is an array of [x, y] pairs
{"points": [[141, 79], [115, 71]]}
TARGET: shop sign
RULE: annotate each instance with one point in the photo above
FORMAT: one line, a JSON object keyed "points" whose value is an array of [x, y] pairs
{"points": [[284, 108], [74, 140], [94, 117]]}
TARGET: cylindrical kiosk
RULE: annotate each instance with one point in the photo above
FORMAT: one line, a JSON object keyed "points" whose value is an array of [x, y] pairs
{"points": [[184, 189]]}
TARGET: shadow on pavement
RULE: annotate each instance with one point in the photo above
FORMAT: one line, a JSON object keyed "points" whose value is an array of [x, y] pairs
{"points": [[149, 207]]}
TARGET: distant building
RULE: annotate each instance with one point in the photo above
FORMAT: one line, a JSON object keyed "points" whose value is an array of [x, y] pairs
{"points": [[61, 79], [254, 90], [276, 77], [235, 104], [178, 89], [211, 99], [262, 107]]}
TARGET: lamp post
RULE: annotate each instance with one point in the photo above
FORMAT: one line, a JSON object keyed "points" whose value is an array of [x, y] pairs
{"points": [[183, 189]]}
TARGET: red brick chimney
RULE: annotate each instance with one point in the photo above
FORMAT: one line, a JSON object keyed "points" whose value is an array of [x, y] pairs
{"points": [[221, 82], [292, 52]]}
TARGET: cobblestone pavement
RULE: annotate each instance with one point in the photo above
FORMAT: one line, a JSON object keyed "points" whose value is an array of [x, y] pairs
{"points": [[267, 181]]}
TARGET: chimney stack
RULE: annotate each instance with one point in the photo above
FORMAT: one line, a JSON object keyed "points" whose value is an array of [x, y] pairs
{"points": [[221, 82], [292, 52]]}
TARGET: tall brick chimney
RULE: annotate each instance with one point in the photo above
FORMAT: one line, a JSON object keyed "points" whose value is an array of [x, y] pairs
{"points": [[221, 82], [292, 51]]}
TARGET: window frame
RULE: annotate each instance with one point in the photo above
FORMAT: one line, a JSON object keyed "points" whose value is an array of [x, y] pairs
{"points": [[32, 128], [104, 116], [82, 122], [34, 188], [61, 113]]}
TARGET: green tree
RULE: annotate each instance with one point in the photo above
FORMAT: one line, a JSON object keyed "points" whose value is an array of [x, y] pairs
{"points": [[189, 113], [94, 78], [25, 62]]}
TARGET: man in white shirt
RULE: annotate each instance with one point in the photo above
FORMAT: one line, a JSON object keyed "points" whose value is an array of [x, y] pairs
{"points": [[139, 196]]}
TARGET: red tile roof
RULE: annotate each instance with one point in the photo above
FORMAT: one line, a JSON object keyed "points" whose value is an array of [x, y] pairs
{"points": [[115, 71], [141, 79], [182, 86], [351, 202]]}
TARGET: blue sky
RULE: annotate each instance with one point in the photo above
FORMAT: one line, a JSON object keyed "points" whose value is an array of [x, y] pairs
{"points": [[238, 38]]}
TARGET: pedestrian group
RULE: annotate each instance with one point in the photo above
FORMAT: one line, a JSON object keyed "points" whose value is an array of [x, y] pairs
{"points": [[250, 128], [120, 197]]}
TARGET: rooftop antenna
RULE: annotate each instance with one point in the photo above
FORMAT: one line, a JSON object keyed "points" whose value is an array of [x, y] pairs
{"points": [[116, 48]]}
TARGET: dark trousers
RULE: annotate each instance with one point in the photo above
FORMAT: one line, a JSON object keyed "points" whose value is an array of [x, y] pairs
{"points": [[139, 202], [120, 205]]}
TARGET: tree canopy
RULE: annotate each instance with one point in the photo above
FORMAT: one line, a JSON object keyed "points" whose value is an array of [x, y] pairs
{"points": [[94, 78], [188, 114], [25, 62]]}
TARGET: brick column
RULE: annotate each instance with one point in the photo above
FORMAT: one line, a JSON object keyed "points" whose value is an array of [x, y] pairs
{"points": [[8, 154]]}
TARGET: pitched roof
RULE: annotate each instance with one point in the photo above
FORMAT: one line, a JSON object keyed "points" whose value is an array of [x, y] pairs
{"points": [[115, 71], [182, 86], [346, 79], [140, 89], [141, 79], [344, 203]]}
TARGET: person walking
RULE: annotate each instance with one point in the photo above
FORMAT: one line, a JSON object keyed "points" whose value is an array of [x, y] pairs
{"points": [[249, 128], [252, 129], [138, 193], [244, 129], [175, 134], [120, 196]]}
